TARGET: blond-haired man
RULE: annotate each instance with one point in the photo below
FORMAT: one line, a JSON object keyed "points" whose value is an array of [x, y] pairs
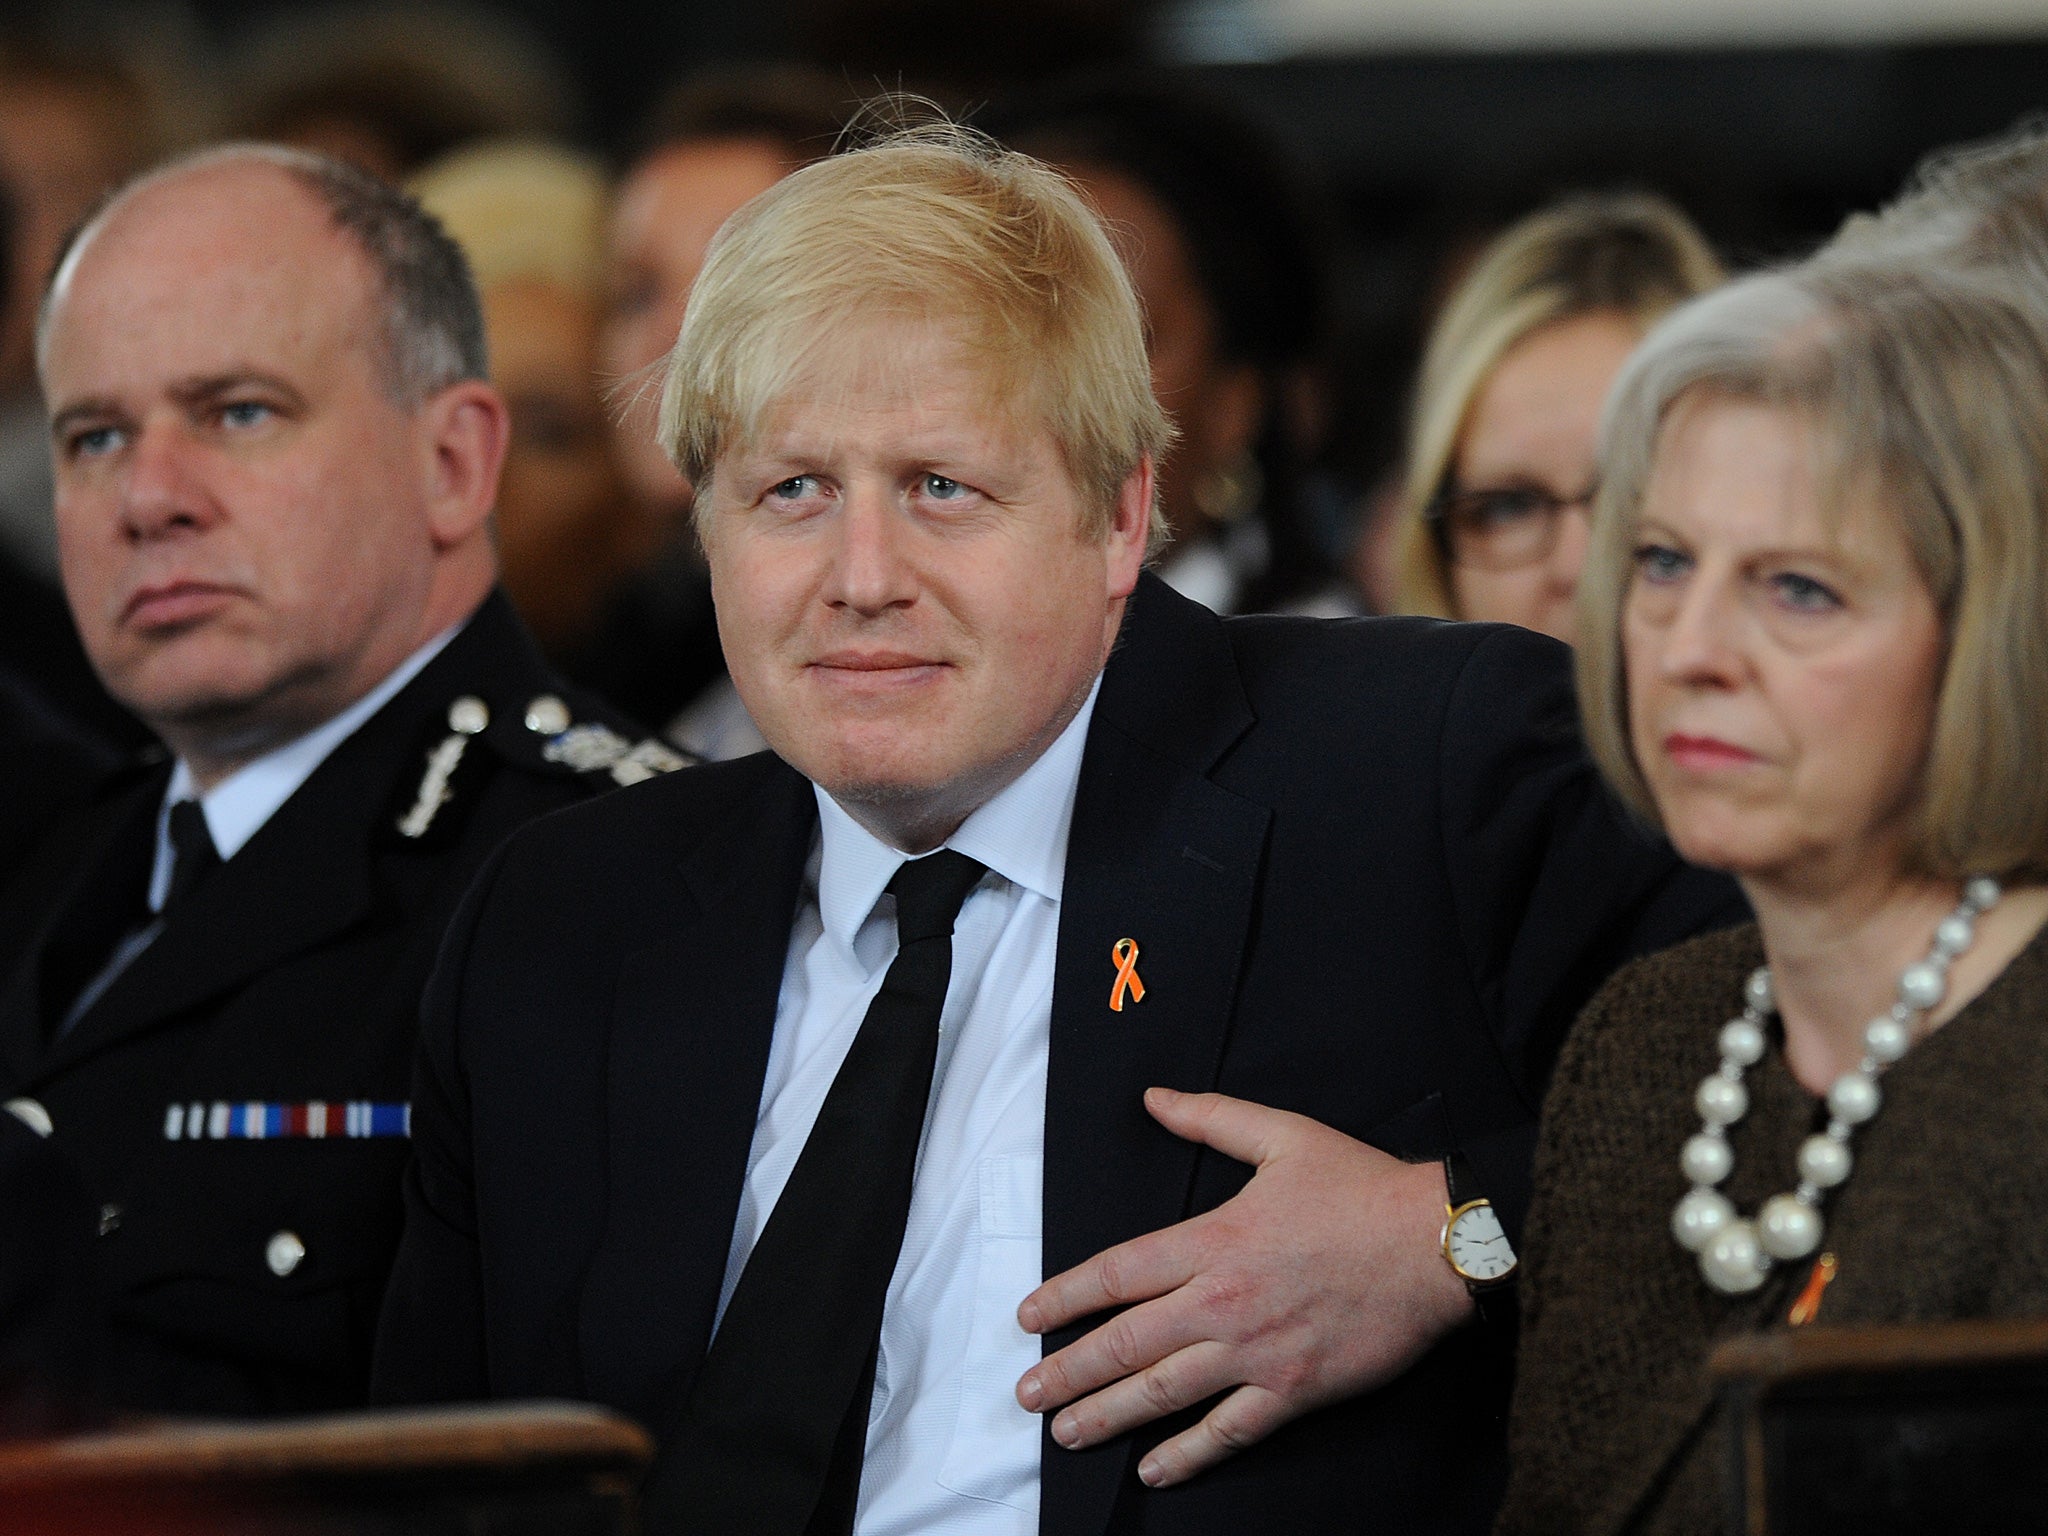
{"points": [[756, 1103]]}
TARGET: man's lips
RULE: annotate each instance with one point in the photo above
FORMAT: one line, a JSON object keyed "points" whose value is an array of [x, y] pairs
{"points": [[874, 675], [166, 604], [874, 661], [1706, 752]]}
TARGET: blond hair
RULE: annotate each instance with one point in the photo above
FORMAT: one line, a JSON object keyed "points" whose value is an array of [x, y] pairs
{"points": [[1629, 254], [1927, 398], [934, 223], [522, 210]]}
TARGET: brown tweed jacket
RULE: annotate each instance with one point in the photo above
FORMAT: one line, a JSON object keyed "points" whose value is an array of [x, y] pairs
{"points": [[1944, 1216]]}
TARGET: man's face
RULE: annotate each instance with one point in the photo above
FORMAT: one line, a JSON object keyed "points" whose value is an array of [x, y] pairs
{"points": [[241, 507], [909, 594]]}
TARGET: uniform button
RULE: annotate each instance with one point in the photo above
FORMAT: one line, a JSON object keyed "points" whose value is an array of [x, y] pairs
{"points": [[110, 1219], [30, 1114], [547, 716], [283, 1253], [468, 715]]}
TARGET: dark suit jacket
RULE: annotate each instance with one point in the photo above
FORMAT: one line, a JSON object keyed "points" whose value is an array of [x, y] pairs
{"points": [[292, 975], [1372, 877]]}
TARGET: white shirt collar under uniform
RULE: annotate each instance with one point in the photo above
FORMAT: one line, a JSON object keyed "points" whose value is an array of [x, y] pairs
{"points": [[238, 806]]}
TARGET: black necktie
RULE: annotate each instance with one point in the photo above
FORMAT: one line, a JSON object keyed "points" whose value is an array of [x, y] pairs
{"points": [[770, 1442], [193, 856]]}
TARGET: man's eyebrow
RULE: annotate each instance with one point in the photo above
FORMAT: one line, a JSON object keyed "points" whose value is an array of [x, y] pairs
{"points": [[198, 391], [187, 392], [79, 411]]}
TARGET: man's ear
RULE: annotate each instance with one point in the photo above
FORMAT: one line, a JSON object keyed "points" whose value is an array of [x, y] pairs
{"points": [[1130, 528], [465, 430]]}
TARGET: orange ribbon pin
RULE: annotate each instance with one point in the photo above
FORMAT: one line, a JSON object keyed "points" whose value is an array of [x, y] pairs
{"points": [[1125, 953], [1807, 1307]]}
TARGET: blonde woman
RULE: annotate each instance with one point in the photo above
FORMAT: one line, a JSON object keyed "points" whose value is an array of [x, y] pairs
{"points": [[1500, 457], [1816, 653]]}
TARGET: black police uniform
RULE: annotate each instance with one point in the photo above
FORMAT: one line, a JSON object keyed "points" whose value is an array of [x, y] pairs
{"points": [[235, 1101]]}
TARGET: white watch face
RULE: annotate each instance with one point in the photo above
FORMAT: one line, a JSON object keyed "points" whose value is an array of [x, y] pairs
{"points": [[1476, 1246]]}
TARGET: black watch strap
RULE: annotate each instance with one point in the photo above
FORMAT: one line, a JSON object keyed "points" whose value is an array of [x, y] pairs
{"points": [[1460, 1183]]}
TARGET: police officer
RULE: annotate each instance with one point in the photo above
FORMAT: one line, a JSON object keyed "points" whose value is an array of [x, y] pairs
{"points": [[276, 456]]}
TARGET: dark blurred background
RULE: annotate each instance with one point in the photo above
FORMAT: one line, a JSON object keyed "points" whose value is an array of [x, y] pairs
{"points": [[1424, 149]]}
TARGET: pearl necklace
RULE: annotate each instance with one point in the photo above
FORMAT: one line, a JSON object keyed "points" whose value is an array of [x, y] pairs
{"points": [[1736, 1252]]}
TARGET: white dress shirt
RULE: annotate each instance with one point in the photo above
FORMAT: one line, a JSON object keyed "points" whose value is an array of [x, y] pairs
{"points": [[948, 1448]]}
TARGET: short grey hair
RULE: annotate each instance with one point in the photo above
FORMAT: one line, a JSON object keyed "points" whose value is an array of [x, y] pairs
{"points": [[1927, 396], [433, 323], [1981, 204]]}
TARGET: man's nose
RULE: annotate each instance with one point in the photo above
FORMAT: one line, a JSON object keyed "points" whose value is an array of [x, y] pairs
{"points": [[871, 568], [164, 489]]}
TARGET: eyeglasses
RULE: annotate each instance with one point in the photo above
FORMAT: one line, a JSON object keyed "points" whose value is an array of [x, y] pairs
{"points": [[1504, 528]]}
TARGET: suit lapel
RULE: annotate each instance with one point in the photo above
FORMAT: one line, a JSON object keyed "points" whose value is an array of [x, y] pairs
{"points": [[691, 1025], [1161, 856]]}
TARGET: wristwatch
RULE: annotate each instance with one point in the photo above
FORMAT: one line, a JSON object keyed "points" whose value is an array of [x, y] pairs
{"points": [[1474, 1243]]}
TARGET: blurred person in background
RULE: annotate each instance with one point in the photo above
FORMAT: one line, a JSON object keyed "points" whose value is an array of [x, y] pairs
{"points": [[390, 87], [1227, 248], [48, 762], [1501, 458], [713, 143], [531, 218], [716, 141], [1815, 653], [87, 97]]}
